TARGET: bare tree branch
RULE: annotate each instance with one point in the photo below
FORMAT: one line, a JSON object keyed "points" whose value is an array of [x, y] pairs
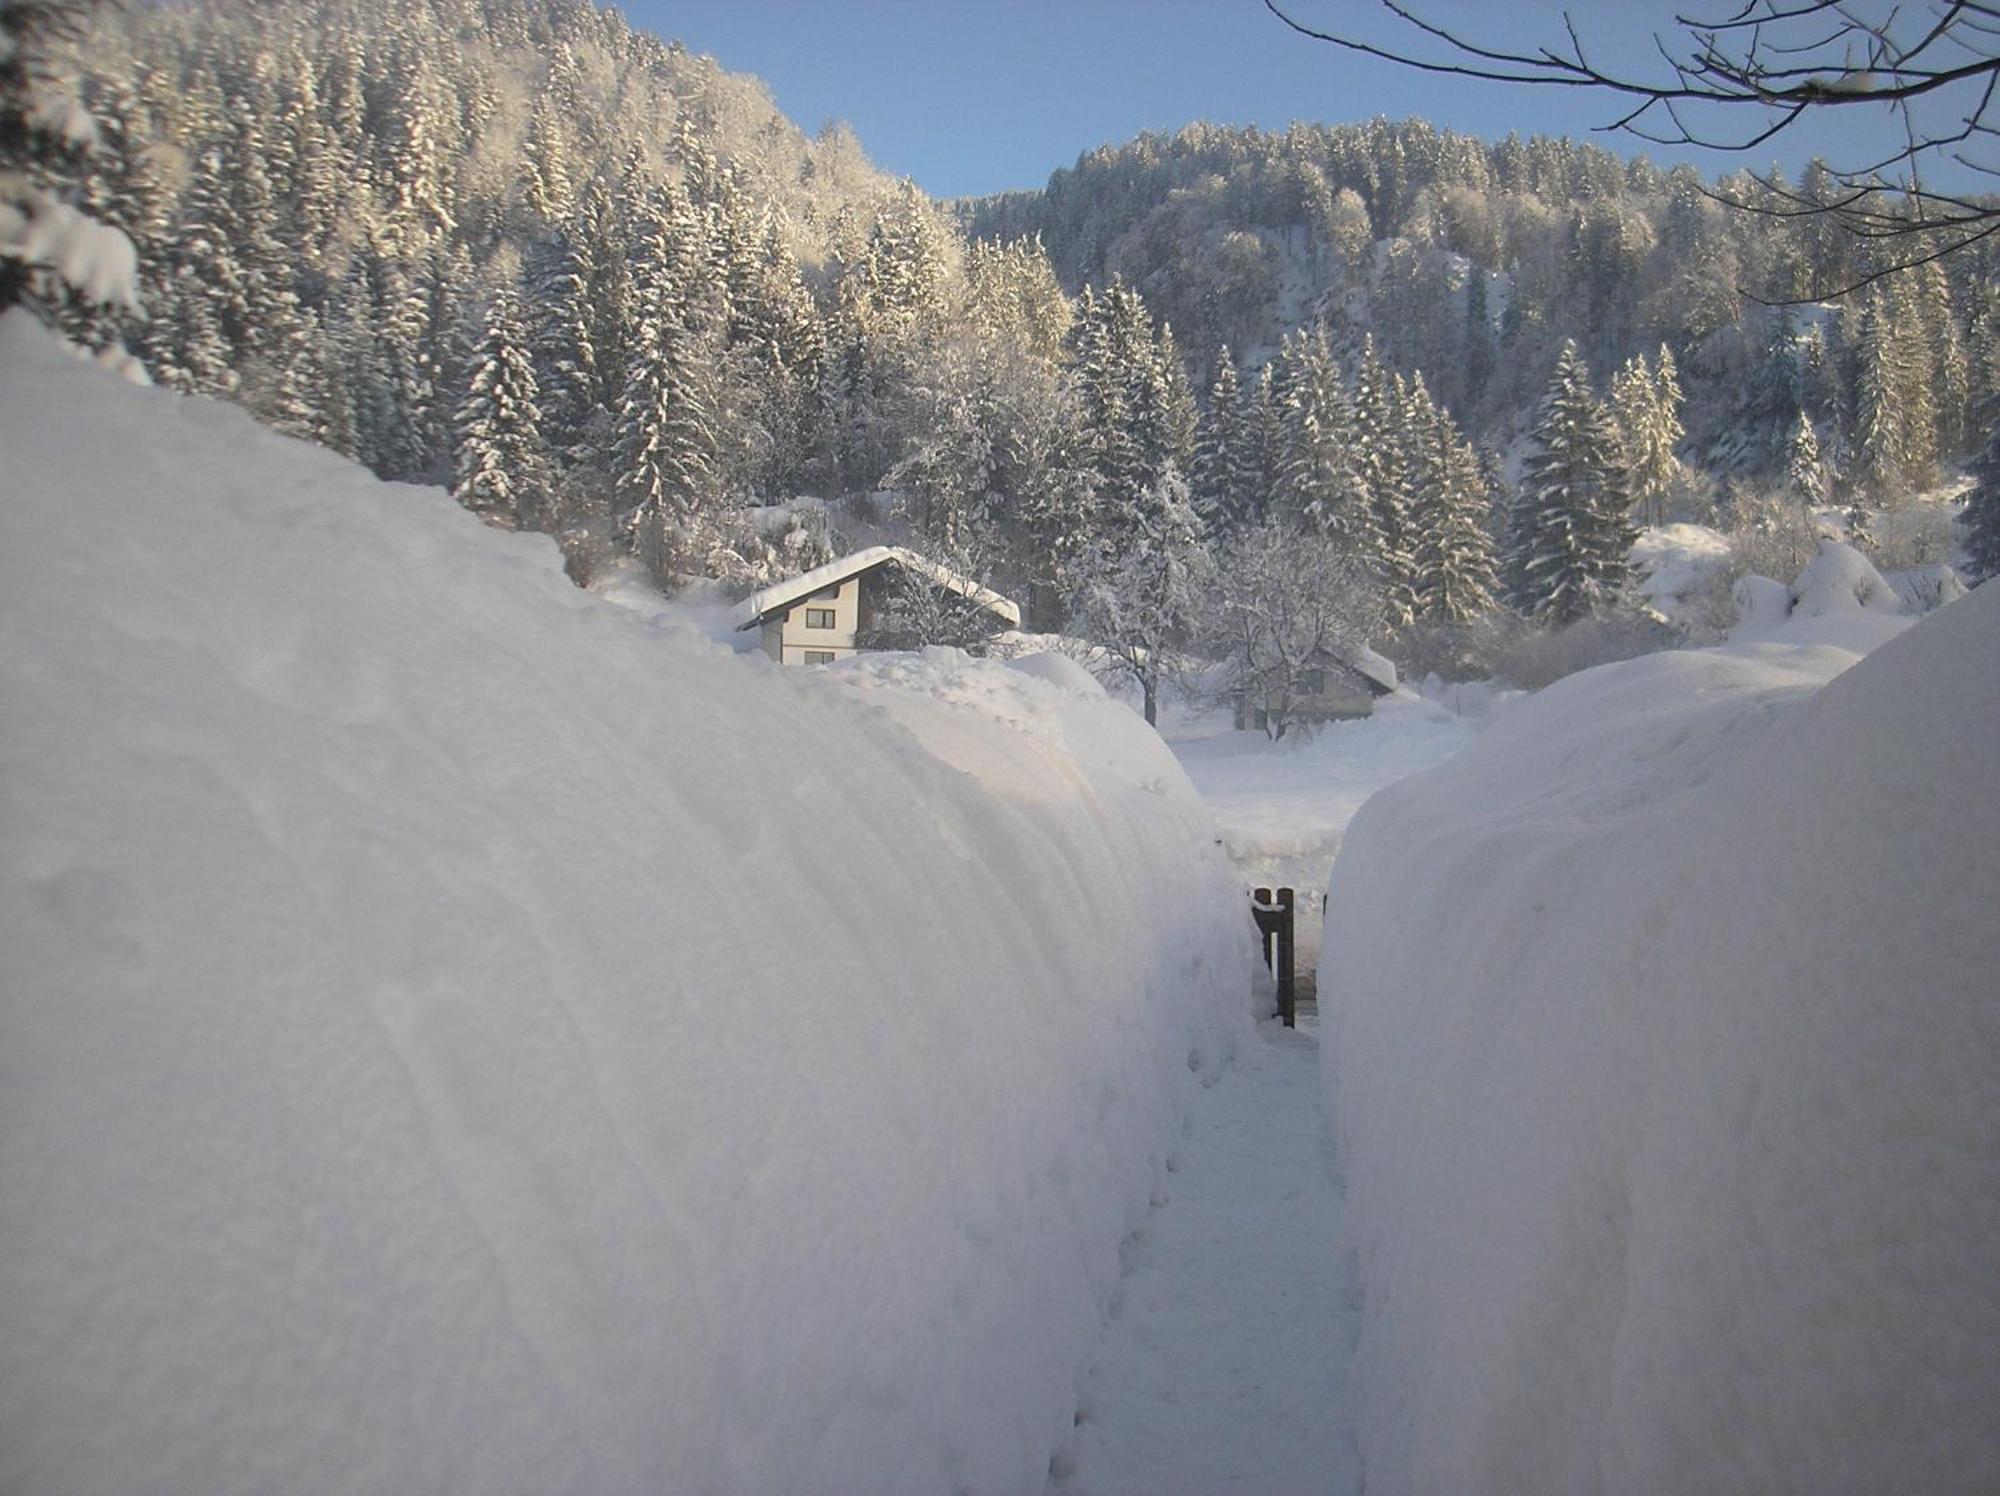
{"points": [[1781, 61]]}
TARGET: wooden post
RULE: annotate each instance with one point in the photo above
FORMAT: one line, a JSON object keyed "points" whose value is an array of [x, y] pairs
{"points": [[1287, 968], [1274, 916]]}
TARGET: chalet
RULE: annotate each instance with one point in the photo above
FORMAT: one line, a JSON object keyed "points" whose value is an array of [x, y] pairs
{"points": [[1343, 685], [834, 610]]}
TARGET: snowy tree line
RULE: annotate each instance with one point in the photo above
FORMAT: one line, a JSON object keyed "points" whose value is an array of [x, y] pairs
{"points": [[1476, 262], [603, 290]]}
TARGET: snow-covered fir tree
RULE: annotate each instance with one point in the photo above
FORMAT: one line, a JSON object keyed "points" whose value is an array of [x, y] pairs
{"points": [[669, 498], [1383, 410], [1982, 512], [1573, 532], [1224, 478], [50, 249], [1646, 399], [502, 468], [1319, 482], [1805, 472], [1113, 350], [1453, 553]]}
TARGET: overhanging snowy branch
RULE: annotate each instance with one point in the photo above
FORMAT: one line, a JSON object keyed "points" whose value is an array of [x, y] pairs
{"points": [[1741, 79]]}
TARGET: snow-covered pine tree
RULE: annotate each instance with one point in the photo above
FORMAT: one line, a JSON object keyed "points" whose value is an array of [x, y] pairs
{"points": [[1646, 401], [274, 347], [1390, 479], [1939, 354], [1454, 577], [502, 471], [330, 397], [317, 164], [1573, 556], [667, 493], [1263, 441], [1805, 473], [1478, 338], [1982, 512], [1056, 500], [48, 247], [1113, 352], [1911, 381], [1218, 459], [452, 328], [393, 396], [1319, 483], [1775, 393], [565, 349], [1165, 409], [1879, 430], [546, 189], [421, 137], [208, 296]]}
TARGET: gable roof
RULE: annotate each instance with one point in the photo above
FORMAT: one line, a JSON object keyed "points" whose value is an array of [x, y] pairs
{"points": [[779, 596], [1380, 674]]}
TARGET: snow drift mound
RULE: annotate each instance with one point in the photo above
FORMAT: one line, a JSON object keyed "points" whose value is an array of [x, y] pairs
{"points": [[460, 1036], [1666, 1045]]}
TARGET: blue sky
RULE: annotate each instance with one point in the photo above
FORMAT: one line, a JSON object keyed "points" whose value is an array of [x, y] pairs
{"points": [[973, 96]]}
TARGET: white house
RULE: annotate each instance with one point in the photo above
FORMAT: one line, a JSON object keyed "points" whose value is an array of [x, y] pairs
{"points": [[830, 612]]}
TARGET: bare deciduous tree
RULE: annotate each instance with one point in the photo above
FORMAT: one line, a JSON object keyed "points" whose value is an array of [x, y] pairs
{"points": [[1290, 607]]}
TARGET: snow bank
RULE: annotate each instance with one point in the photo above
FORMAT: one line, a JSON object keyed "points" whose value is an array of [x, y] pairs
{"points": [[459, 1035], [1675, 561], [1840, 599], [1667, 1059]]}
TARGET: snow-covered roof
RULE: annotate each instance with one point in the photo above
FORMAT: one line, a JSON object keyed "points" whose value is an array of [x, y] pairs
{"points": [[1371, 667], [779, 596]]}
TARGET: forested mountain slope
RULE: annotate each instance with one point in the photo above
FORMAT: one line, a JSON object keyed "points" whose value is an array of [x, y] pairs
{"points": [[1472, 262], [603, 289]]}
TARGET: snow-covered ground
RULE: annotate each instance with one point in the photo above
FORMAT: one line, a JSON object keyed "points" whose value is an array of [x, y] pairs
{"points": [[460, 1035], [1224, 1365], [1282, 807], [1666, 1046]]}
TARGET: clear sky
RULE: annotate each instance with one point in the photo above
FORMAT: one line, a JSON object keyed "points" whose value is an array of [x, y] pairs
{"points": [[975, 96]]}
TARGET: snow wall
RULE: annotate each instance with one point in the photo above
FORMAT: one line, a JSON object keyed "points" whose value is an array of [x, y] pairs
{"points": [[1664, 1038], [459, 1035]]}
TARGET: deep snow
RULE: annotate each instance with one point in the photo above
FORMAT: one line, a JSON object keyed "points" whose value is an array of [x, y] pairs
{"points": [[1666, 1048], [461, 1035]]}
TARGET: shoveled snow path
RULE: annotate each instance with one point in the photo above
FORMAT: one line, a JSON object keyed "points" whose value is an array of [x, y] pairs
{"points": [[1224, 1365]]}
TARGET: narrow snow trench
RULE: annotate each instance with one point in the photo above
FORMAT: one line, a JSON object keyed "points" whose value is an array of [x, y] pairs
{"points": [[1224, 1364]]}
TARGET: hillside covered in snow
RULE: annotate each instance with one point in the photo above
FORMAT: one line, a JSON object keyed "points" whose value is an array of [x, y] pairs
{"points": [[462, 1035], [1666, 1057]]}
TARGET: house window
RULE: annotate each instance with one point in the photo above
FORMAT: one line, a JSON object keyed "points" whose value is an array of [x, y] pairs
{"points": [[1315, 683], [819, 657], [819, 618]]}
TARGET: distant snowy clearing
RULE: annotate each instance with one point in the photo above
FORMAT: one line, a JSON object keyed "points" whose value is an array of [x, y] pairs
{"points": [[462, 1036], [1666, 1054], [1283, 807]]}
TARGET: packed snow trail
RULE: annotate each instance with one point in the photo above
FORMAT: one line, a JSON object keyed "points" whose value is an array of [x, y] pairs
{"points": [[1224, 1365]]}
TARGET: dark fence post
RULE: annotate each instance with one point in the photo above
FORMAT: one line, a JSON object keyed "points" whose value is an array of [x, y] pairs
{"points": [[1274, 918], [1287, 964]]}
